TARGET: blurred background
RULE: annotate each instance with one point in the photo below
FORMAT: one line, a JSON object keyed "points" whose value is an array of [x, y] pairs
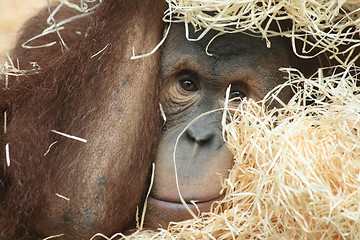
{"points": [[13, 13]]}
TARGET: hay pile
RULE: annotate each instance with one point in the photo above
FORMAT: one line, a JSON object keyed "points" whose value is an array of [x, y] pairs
{"points": [[330, 26]]}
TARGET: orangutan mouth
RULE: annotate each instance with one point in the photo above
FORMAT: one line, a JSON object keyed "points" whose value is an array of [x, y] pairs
{"points": [[178, 211]]}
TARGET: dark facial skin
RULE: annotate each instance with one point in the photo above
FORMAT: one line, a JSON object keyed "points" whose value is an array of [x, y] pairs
{"points": [[194, 83]]}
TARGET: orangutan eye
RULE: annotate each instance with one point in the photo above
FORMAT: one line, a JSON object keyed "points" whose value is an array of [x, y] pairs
{"points": [[237, 92], [188, 85], [187, 81], [236, 96]]}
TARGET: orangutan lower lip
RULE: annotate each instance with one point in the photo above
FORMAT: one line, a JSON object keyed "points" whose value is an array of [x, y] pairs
{"points": [[177, 208]]}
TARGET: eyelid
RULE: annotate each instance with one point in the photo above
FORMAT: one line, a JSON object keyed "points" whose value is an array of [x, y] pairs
{"points": [[239, 85], [187, 74]]}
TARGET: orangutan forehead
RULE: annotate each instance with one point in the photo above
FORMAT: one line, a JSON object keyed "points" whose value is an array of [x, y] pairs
{"points": [[234, 55], [226, 44]]}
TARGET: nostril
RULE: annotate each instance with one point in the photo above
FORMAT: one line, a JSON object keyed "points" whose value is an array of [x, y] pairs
{"points": [[200, 135]]}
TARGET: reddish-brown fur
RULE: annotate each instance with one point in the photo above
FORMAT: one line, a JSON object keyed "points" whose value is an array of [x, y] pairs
{"points": [[109, 100]]}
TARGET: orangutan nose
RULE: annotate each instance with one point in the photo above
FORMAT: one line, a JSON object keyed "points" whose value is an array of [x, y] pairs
{"points": [[200, 134]]}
